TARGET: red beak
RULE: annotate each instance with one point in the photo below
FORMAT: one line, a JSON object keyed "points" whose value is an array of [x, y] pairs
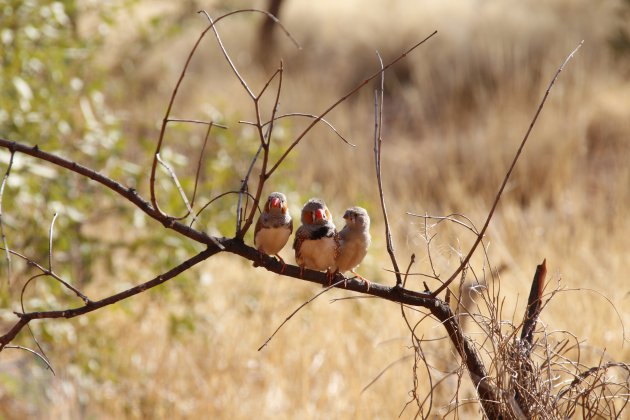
{"points": [[319, 214], [275, 202]]}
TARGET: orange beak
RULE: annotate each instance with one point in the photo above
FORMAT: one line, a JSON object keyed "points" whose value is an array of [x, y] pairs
{"points": [[275, 202], [319, 214]]}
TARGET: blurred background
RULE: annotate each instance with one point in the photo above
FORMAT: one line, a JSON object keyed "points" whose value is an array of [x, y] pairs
{"points": [[91, 81]]}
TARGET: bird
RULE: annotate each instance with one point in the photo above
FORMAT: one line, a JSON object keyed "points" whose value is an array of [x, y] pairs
{"points": [[274, 226], [354, 241], [316, 242]]}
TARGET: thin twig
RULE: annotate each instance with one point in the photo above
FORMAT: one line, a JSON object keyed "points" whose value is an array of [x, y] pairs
{"points": [[378, 140], [265, 142], [128, 193], [199, 162], [298, 309], [450, 218], [215, 199], [40, 356], [507, 175], [50, 242], [243, 190], [341, 100], [182, 194], [4, 238], [227, 56], [302, 114], [382, 372], [186, 120], [26, 317]]}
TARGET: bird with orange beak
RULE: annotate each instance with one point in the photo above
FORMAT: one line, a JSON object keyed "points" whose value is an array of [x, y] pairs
{"points": [[274, 226], [316, 242]]}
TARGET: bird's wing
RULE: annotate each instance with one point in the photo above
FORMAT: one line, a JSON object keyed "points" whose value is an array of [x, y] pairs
{"points": [[259, 226], [300, 236]]}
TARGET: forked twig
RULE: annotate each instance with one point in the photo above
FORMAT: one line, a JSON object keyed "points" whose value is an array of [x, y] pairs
{"points": [[167, 118], [302, 114], [50, 272], [507, 175], [265, 143]]}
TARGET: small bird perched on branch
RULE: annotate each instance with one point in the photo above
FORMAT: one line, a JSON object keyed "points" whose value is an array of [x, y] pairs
{"points": [[316, 242], [354, 241], [274, 226]]}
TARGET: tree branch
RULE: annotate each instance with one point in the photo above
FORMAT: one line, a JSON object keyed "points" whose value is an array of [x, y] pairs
{"points": [[129, 193], [25, 318], [465, 261]]}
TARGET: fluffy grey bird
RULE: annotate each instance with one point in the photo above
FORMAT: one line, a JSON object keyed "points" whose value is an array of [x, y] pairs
{"points": [[274, 226], [354, 241], [316, 243]]}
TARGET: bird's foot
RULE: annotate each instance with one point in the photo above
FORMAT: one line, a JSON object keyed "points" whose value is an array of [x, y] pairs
{"points": [[367, 282], [330, 276], [284, 265]]}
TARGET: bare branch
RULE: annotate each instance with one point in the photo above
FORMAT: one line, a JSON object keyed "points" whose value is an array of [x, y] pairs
{"points": [[199, 162], [215, 199], [41, 357], [297, 310], [265, 142], [209, 123], [129, 193], [25, 318], [507, 175], [302, 114], [182, 194], [378, 140], [243, 190], [341, 100]]}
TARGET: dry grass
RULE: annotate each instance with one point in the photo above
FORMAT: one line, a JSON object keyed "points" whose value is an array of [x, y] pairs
{"points": [[455, 113]]}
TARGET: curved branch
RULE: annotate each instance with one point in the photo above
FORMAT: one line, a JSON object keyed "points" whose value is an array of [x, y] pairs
{"points": [[25, 318], [303, 114], [129, 193]]}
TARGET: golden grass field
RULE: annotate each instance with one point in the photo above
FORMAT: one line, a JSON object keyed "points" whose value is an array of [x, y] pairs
{"points": [[455, 112]]}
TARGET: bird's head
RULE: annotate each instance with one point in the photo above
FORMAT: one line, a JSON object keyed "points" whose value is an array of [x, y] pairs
{"points": [[315, 212], [357, 217], [276, 203]]}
